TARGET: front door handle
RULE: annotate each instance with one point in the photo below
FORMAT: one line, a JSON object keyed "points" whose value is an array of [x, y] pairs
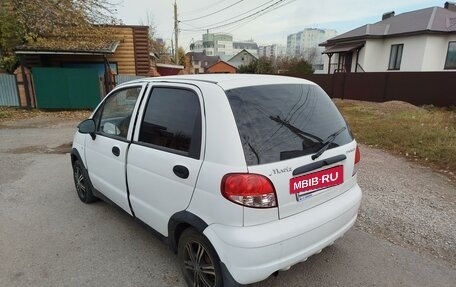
{"points": [[181, 171], [116, 150]]}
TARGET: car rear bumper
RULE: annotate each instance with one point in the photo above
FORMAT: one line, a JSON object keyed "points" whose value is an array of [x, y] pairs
{"points": [[252, 254]]}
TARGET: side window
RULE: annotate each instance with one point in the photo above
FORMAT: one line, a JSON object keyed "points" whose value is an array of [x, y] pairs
{"points": [[172, 120], [395, 57], [450, 62], [116, 112]]}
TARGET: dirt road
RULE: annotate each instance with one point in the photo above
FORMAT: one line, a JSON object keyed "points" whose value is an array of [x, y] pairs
{"points": [[405, 235]]}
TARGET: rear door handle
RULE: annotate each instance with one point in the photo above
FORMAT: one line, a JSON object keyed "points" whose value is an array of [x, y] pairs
{"points": [[116, 150], [181, 171]]}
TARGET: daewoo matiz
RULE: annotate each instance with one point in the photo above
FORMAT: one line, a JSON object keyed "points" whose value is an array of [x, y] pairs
{"points": [[241, 175]]}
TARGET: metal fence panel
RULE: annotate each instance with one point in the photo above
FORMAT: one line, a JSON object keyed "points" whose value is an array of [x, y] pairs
{"points": [[8, 91], [418, 88], [126, 78]]}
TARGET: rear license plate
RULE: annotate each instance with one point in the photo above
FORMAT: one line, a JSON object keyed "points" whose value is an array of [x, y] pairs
{"points": [[317, 180]]}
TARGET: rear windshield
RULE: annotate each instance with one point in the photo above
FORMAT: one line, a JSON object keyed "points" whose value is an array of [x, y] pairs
{"points": [[279, 122]]}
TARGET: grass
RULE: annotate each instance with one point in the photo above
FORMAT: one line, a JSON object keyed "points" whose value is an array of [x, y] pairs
{"points": [[423, 134]]}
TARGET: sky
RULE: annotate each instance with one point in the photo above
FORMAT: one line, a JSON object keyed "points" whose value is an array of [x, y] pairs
{"points": [[286, 17]]}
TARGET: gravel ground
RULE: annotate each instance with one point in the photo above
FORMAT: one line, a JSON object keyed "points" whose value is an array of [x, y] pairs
{"points": [[408, 205]]}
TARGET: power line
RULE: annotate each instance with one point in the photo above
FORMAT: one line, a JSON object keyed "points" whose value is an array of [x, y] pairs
{"points": [[188, 20], [246, 12], [265, 10], [257, 16], [196, 11]]}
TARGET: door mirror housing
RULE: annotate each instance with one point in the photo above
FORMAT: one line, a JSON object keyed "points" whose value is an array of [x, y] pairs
{"points": [[87, 127]]}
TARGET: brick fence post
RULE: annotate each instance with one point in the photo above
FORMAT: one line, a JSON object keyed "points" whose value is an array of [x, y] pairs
{"points": [[24, 86]]}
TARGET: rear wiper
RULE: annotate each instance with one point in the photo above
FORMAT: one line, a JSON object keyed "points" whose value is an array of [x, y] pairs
{"points": [[295, 130], [327, 142]]}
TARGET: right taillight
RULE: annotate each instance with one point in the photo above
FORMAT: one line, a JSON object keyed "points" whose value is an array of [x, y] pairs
{"points": [[251, 190], [357, 159]]}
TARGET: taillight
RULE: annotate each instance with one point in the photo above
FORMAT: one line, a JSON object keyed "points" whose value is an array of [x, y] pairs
{"points": [[357, 159], [251, 190]]}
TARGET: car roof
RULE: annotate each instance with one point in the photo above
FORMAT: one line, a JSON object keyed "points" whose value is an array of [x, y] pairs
{"points": [[229, 81]]}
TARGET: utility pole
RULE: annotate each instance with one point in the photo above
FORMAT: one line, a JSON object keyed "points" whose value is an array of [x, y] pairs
{"points": [[176, 32]]}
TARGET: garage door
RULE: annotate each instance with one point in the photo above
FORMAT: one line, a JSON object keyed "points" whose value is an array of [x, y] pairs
{"points": [[66, 88]]}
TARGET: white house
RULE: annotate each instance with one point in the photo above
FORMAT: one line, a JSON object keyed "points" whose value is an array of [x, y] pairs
{"points": [[421, 40], [242, 58]]}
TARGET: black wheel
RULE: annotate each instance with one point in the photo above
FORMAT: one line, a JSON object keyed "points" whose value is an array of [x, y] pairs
{"points": [[81, 182], [199, 262]]}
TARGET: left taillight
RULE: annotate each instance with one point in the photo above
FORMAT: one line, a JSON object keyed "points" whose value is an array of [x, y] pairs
{"points": [[250, 190], [357, 160]]}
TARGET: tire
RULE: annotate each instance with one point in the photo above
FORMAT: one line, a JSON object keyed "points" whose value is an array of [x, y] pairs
{"points": [[82, 184], [198, 260]]}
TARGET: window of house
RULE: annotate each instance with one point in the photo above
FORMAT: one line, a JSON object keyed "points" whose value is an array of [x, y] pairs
{"points": [[172, 122], [395, 57], [450, 62]]}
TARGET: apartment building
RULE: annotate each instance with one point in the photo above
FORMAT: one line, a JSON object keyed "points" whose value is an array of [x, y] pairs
{"points": [[222, 44], [272, 51]]}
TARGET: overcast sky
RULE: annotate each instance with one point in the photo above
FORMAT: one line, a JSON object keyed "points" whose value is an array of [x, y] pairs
{"points": [[289, 16]]}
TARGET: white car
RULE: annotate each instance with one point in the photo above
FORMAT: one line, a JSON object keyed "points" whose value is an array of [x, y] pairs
{"points": [[241, 175]]}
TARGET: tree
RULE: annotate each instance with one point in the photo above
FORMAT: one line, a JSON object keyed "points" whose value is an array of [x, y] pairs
{"points": [[11, 34], [260, 66], [299, 68], [156, 45], [181, 56], [250, 68], [49, 23], [59, 18], [264, 66], [294, 67]]}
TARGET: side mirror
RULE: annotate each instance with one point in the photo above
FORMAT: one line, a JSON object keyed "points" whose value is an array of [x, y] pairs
{"points": [[87, 127]]}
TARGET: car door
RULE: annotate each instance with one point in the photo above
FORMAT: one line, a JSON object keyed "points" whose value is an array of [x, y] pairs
{"points": [[106, 154], [166, 153]]}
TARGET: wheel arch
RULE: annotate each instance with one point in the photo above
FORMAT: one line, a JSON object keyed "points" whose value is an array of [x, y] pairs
{"points": [[75, 155], [181, 221]]}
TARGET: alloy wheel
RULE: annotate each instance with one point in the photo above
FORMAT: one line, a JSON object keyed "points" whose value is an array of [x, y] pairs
{"points": [[79, 182], [198, 265]]}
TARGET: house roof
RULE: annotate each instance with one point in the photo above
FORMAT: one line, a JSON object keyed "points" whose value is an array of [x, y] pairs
{"points": [[170, 66], [340, 48], [84, 40], [69, 47], [225, 58], [201, 56], [428, 20], [221, 62]]}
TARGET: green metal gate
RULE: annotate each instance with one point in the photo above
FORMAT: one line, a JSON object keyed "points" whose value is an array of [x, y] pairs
{"points": [[65, 88]]}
